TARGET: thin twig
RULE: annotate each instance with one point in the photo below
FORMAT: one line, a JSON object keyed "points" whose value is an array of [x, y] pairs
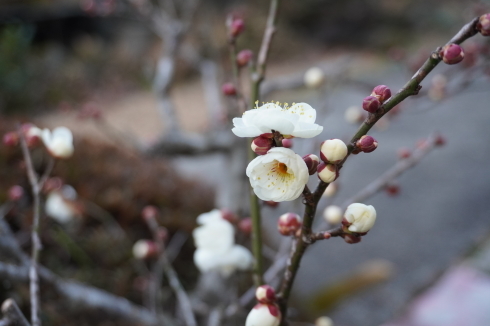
{"points": [[12, 316]]}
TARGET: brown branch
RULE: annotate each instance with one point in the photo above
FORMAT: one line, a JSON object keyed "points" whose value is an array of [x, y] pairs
{"points": [[12, 316], [311, 201]]}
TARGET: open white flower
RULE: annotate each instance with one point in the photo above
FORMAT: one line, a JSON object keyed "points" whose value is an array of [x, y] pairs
{"points": [[297, 120], [216, 248], [359, 217], [279, 175], [59, 142], [60, 204]]}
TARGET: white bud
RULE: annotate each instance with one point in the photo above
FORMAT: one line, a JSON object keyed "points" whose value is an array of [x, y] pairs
{"points": [[333, 151], [323, 321], [353, 114], [59, 142], [327, 172], [264, 315], [360, 217], [144, 249], [333, 214], [314, 77]]}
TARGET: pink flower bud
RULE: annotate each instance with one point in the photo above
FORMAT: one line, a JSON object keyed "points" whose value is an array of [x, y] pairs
{"points": [[392, 189], [229, 215], [265, 294], [288, 143], [382, 93], [484, 25], [327, 172], [371, 104], [145, 249], [228, 89], [440, 140], [270, 203], [236, 27], [32, 134], [404, 153], [245, 225], [149, 212], [15, 193], [311, 161], [289, 223], [243, 57], [367, 144], [333, 151], [261, 145], [452, 54], [11, 139]]}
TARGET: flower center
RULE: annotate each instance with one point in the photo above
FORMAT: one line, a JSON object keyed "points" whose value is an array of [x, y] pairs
{"points": [[282, 168]]}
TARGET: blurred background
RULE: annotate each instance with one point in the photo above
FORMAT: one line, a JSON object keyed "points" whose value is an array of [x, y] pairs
{"points": [[147, 135]]}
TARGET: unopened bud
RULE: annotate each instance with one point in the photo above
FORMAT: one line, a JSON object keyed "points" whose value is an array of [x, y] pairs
{"points": [[32, 134], [287, 143], [327, 172], [351, 238], [484, 24], [265, 294], [289, 223], [333, 151], [229, 215], [245, 225], [11, 139], [452, 54], [331, 189], [261, 145], [359, 218], [15, 193], [311, 161], [314, 77], [404, 153], [333, 214], [324, 321], [440, 140], [243, 57], [270, 203], [264, 314], [382, 93], [144, 249], [367, 144], [149, 212], [228, 89], [392, 189], [354, 114], [236, 27], [371, 104]]}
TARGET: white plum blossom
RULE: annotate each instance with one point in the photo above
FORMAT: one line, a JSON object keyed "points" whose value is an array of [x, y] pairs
{"points": [[279, 175], [359, 217], [60, 204], [58, 142], [333, 214], [216, 248], [314, 77], [297, 120], [264, 314]]}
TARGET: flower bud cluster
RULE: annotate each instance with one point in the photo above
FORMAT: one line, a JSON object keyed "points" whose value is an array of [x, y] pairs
{"points": [[289, 224], [266, 312], [379, 95]]}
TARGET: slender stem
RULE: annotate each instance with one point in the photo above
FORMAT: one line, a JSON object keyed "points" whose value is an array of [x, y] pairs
{"points": [[412, 87], [257, 78], [12, 314]]}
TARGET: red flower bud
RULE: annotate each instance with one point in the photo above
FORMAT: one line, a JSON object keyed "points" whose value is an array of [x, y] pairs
{"points": [[392, 189], [452, 54], [243, 57], [229, 215], [245, 225], [11, 139], [382, 93], [440, 140], [265, 294], [288, 143], [15, 193], [236, 27], [371, 104], [484, 25], [367, 144], [261, 145], [270, 203], [311, 161], [149, 212], [289, 223], [228, 89]]}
